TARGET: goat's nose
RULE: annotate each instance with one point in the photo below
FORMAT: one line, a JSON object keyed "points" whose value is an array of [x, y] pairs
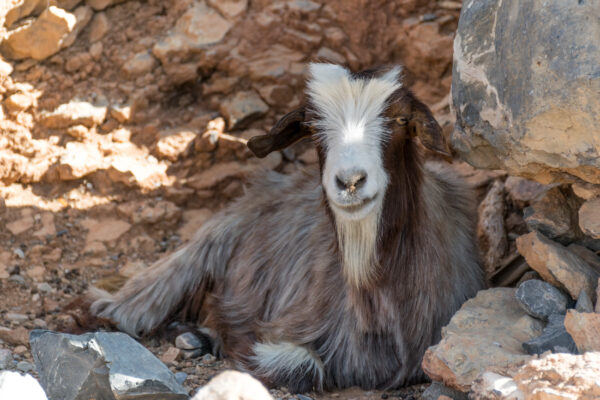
{"points": [[351, 180]]}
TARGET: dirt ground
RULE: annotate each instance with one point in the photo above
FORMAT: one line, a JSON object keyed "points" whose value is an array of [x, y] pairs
{"points": [[91, 202]]}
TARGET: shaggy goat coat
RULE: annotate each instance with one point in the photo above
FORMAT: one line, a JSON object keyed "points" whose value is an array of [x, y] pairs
{"points": [[270, 275]]}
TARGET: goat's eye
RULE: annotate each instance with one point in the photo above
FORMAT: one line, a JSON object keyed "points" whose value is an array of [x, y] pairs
{"points": [[402, 121]]}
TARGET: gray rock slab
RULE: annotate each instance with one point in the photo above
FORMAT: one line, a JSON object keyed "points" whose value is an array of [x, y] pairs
{"points": [[537, 115], [554, 337], [15, 386], [584, 303], [100, 365], [540, 299]]}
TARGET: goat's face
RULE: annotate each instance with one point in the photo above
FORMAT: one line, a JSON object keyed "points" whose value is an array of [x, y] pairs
{"points": [[352, 117]]}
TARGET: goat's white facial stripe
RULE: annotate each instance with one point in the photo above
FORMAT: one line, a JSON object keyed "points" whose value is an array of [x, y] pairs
{"points": [[352, 129]]}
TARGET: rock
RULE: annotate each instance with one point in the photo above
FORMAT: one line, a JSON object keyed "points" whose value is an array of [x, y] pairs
{"points": [[274, 63], [180, 377], [79, 160], [39, 38], [540, 299], [102, 4], [491, 386], [100, 365], [106, 230], [83, 16], [242, 109], [198, 28], [554, 215], [13, 385], [216, 174], [557, 265], [229, 8], [584, 327], [121, 113], [173, 143], [17, 336], [171, 355], [99, 27], [561, 376], [325, 54], [6, 359], [490, 228], [230, 385], [15, 317], [189, 341], [150, 212], [554, 335], [523, 191], [531, 116], [193, 220], [21, 225], [587, 255], [436, 389], [485, 334], [139, 64], [589, 218], [18, 102], [75, 112], [25, 366], [584, 303], [586, 191]]}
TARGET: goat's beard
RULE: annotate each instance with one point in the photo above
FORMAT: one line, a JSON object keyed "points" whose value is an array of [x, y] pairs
{"points": [[357, 241]]}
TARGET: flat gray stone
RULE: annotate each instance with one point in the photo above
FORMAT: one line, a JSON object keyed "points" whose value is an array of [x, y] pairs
{"points": [[540, 299], [554, 337], [188, 341], [6, 358], [100, 365]]}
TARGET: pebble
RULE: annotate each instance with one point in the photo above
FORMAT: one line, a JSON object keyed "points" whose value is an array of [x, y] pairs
{"points": [[540, 299], [6, 358], [14, 317], [180, 377], [188, 341], [25, 366], [554, 337], [20, 350], [19, 252], [44, 287], [18, 279]]}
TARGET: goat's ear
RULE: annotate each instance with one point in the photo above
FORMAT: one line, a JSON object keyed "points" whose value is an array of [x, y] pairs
{"points": [[423, 124], [287, 131]]}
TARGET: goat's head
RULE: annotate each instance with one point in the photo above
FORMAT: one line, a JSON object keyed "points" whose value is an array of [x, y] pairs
{"points": [[356, 121]]}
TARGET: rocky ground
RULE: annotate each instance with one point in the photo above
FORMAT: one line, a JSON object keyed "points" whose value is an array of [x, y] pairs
{"points": [[124, 130]]}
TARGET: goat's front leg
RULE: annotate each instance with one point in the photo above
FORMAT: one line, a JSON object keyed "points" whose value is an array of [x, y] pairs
{"points": [[287, 364]]}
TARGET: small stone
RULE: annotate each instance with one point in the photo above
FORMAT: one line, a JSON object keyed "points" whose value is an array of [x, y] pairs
{"points": [[18, 102], [121, 113], [99, 27], [78, 132], [242, 109], [233, 385], [557, 265], [490, 228], [44, 287], [19, 252], [139, 64], [25, 366], [6, 359], [589, 218], [189, 341], [554, 215], [13, 385], [171, 355], [554, 334], [106, 230], [584, 327], [173, 143], [39, 38], [230, 8], [437, 389], [17, 279], [96, 51], [75, 112], [79, 160], [14, 317], [17, 336], [491, 386], [19, 226], [180, 377], [584, 303], [540, 299]]}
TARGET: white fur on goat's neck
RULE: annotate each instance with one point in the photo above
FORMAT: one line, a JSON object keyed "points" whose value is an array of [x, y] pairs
{"points": [[352, 128]]}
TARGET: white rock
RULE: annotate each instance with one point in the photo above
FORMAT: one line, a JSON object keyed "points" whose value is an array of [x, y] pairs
{"points": [[230, 385], [15, 386]]}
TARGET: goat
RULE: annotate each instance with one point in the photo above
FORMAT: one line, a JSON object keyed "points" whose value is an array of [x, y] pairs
{"points": [[335, 276]]}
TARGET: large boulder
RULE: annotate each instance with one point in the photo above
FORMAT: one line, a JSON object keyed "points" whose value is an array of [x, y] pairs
{"points": [[526, 79]]}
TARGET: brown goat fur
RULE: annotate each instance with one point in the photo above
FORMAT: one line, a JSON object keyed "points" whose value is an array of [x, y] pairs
{"points": [[269, 274]]}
